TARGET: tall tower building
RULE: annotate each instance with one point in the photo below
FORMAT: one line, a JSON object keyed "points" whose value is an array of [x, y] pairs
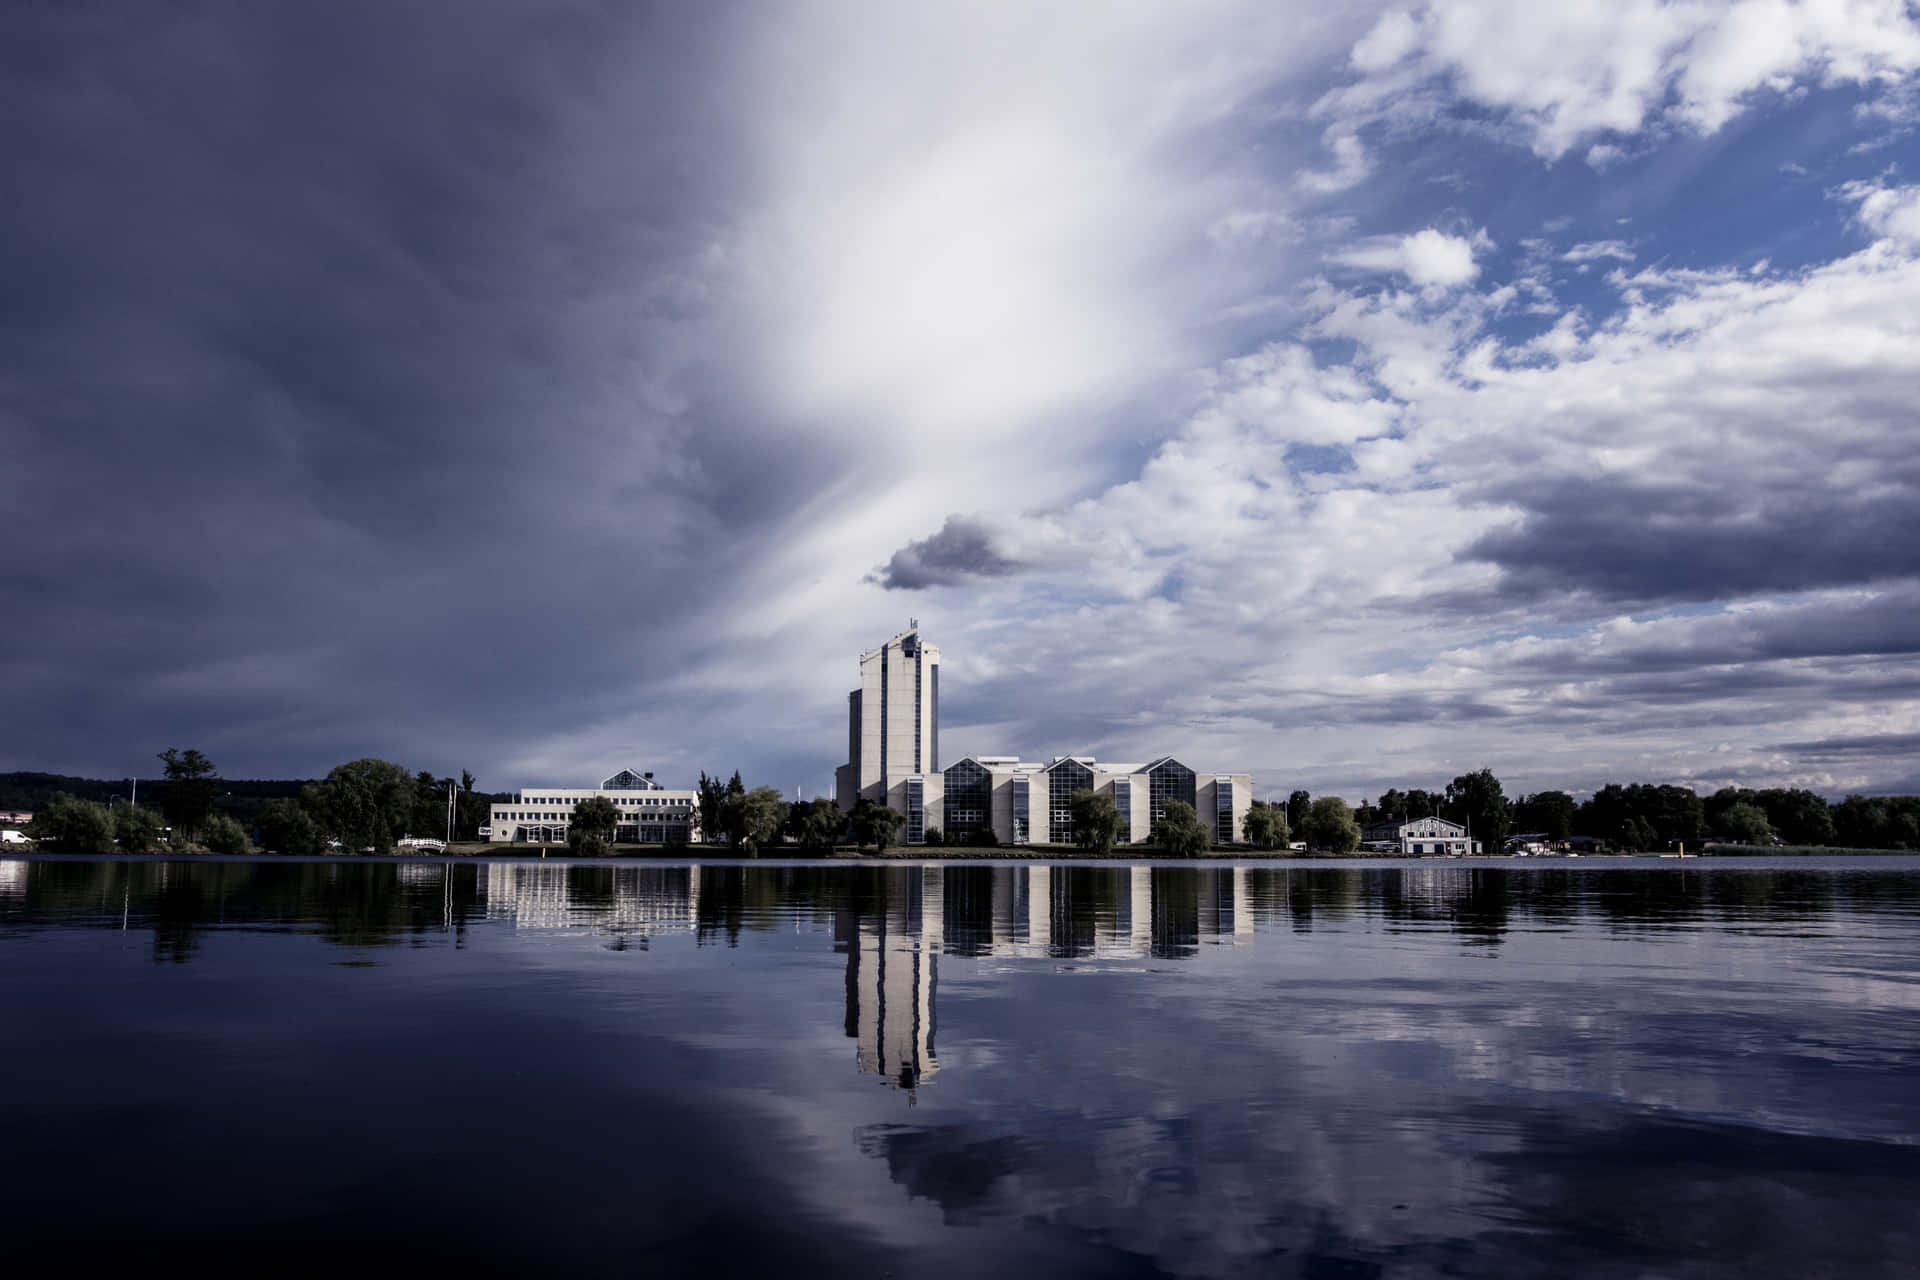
{"points": [[893, 720]]}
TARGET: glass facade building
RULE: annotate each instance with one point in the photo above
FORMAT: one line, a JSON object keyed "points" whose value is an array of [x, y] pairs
{"points": [[916, 811], [1169, 780], [968, 800], [1064, 778], [1223, 810]]}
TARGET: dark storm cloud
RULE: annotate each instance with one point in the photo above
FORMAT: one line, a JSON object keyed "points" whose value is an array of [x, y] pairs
{"points": [[1884, 625], [1871, 746], [344, 367], [1721, 538], [964, 550]]}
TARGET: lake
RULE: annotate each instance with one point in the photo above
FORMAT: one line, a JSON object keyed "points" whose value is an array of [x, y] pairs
{"points": [[1603, 1068]]}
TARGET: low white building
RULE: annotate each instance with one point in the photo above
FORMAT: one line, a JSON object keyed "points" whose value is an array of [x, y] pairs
{"points": [[649, 812], [1024, 802], [1420, 837]]}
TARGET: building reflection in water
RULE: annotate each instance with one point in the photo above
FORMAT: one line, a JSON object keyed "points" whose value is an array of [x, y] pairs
{"points": [[893, 922], [1095, 912], [633, 903], [892, 938]]}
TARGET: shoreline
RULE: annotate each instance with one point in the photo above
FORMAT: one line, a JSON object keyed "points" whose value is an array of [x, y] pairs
{"points": [[915, 854]]}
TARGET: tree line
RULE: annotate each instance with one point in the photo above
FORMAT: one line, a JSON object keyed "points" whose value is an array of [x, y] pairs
{"points": [[1635, 817], [364, 805], [369, 804]]}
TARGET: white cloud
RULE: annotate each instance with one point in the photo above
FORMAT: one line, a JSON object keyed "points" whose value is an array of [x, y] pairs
{"points": [[1392, 38], [1429, 258], [1567, 71], [1312, 610], [1594, 250], [1892, 213], [986, 220], [1351, 166]]}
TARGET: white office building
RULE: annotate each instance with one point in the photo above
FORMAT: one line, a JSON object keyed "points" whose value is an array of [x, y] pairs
{"points": [[893, 722], [893, 750], [649, 812]]}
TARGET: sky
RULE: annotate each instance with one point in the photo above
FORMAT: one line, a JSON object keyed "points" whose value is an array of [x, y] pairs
{"points": [[1353, 395]]}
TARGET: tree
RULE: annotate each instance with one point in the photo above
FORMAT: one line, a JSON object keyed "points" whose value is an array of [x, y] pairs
{"points": [[1745, 823], [1096, 820], [713, 807], [1548, 812], [1477, 800], [1798, 816], [1644, 817], [187, 796], [1265, 826], [362, 803], [590, 831], [875, 824], [471, 810], [1393, 805], [1863, 822], [285, 827], [1178, 831], [429, 814], [751, 818], [221, 834], [1329, 825], [815, 824], [135, 830], [1421, 804], [1297, 805], [934, 838], [1904, 830], [73, 826]]}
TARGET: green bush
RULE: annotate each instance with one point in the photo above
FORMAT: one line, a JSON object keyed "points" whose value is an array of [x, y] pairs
{"points": [[73, 826], [582, 843], [1179, 831], [286, 827], [136, 830], [222, 834]]}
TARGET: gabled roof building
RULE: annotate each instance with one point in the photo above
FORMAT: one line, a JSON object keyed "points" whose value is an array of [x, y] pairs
{"points": [[649, 812], [1420, 837]]}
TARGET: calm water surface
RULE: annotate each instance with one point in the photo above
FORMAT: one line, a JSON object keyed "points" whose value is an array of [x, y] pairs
{"points": [[1645, 1069]]}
